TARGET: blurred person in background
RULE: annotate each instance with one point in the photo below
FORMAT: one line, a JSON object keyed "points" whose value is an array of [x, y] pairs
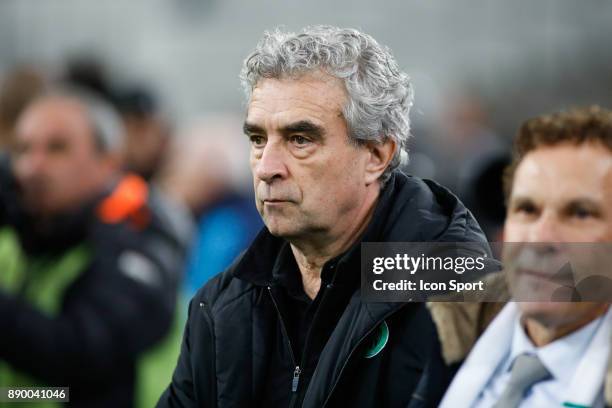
{"points": [[480, 189], [19, 86], [285, 324], [207, 170], [90, 258], [147, 131], [535, 351], [462, 135]]}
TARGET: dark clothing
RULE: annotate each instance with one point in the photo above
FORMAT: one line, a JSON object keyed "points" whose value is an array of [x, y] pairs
{"points": [[249, 342], [119, 304], [292, 299]]}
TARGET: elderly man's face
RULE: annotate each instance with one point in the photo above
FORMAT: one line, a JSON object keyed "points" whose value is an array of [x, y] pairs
{"points": [[560, 194], [307, 175], [55, 159]]}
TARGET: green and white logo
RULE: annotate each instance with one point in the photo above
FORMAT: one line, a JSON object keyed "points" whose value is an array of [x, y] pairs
{"points": [[378, 341]]}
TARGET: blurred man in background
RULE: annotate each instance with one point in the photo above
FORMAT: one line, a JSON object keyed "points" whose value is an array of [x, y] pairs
{"points": [[89, 256], [536, 352], [481, 191], [147, 131], [286, 325]]}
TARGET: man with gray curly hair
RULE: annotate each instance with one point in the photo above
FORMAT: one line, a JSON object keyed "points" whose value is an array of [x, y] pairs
{"points": [[285, 325]]}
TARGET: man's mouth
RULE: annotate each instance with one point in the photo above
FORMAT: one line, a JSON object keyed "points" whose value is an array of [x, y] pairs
{"points": [[535, 273], [275, 201]]}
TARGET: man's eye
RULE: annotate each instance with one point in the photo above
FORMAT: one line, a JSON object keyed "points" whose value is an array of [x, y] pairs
{"points": [[257, 141], [525, 208], [299, 140], [581, 213], [57, 147]]}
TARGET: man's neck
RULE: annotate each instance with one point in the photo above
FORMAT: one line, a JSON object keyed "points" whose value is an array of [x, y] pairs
{"points": [[311, 255], [541, 335]]}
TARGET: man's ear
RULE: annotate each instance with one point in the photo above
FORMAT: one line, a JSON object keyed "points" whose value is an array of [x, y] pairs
{"points": [[379, 158]]}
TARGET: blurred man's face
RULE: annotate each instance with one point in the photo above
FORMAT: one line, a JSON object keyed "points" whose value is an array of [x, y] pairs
{"points": [[55, 160], [146, 142], [307, 175], [560, 194]]}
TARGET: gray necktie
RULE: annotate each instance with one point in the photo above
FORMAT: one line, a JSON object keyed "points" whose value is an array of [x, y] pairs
{"points": [[526, 371]]}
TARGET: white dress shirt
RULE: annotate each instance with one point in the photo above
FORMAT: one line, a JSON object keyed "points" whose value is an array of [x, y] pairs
{"points": [[577, 363]]}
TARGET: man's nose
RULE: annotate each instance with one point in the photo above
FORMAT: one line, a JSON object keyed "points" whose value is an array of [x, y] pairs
{"points": [[546, 229], [271, 165]]}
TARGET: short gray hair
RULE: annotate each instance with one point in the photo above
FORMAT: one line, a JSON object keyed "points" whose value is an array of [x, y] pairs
{"points": [[379, 93], [106, 124]]}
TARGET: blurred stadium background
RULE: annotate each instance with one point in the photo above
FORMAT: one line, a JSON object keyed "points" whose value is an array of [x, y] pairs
{"points": [[479, 67]]}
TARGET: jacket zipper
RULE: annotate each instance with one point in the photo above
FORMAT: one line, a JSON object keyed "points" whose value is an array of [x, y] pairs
{"points": [[297, 371], [331, 392], [206, 313], [296, 379]]}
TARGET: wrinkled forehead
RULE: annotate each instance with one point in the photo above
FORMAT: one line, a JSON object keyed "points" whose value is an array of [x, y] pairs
{"points": [[564, 172], [314, 77], [53, 116], [315, 93]]}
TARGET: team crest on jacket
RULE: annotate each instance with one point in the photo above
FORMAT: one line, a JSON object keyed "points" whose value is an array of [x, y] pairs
{"points": [[378, 340]]}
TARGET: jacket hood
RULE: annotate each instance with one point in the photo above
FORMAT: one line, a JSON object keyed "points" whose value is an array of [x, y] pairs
{"points": [[411, 209]]}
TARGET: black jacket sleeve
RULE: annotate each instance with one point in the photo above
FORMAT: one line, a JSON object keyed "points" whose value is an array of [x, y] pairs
{"points": [[121, 305], [180, 392], [194, 382]]}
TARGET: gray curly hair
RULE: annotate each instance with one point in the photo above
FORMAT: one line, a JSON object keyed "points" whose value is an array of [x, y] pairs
{"points": [[379, 93]]}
